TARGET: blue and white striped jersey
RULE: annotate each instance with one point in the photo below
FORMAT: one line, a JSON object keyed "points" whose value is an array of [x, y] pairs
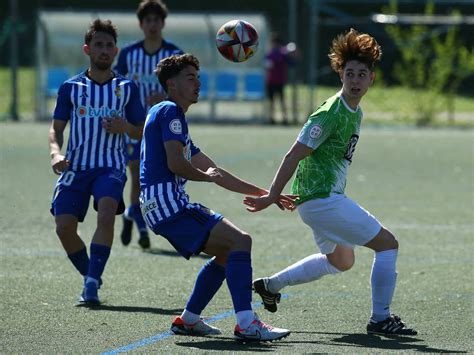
{"points": [[85, 103], [138, 65], [162, 192]]}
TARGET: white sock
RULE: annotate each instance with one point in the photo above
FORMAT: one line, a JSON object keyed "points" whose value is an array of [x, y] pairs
{"points": [[245, 318], [383, 280], [190, 317], [311, 268]]}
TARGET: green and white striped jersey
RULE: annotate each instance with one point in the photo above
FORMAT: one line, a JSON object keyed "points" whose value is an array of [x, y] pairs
{"points": [[332, 131]]}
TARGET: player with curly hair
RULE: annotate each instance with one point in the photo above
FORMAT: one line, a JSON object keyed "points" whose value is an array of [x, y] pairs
{"points": [[321, 157]]}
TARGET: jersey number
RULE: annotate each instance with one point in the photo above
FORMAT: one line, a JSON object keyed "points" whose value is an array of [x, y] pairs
{"points": [[351, 147], [68, 178]]}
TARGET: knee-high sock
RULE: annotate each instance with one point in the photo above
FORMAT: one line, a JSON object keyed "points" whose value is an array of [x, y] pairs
{"points": [[80, 260], [383, 280], [136, 213], [311, 268], [239, 280], [99, 256], [208, 282]]}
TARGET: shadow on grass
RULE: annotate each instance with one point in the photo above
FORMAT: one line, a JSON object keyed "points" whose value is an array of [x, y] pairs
{"points": [[363, 340], [132, 309], [158, 251], [230, 344]]}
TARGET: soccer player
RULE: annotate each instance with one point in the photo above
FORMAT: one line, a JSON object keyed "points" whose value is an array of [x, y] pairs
{"points": [[137, 62], [102, 107], [321, 156], [168, 159]]}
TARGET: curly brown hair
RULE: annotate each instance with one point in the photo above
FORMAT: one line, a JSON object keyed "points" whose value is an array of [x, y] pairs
{"points": [[171, 66], [354, 46]]}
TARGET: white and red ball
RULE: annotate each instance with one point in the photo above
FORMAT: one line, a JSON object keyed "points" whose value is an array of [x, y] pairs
{"points": [[237, 40]]}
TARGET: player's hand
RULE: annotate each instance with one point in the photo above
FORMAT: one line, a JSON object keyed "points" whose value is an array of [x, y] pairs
{"points": [[115, 125], [155, 98], [213, 174], [260, 203], [59, 163]]}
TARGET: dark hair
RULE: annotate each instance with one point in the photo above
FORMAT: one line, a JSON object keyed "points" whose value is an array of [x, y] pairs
{"points": [[155, 7], [99, 25], [171, 66], [354, 46]]}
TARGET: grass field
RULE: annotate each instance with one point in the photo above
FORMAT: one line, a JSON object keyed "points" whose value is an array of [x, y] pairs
{"points": [[419, 183]]}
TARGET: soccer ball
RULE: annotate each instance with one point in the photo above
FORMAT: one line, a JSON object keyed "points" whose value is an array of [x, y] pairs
{"points": [[237, 40]]}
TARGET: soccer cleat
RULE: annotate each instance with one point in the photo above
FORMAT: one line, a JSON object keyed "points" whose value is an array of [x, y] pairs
{"points": [[144, 240], [200, 328], [259, 331], [269, 299], [89, 295], [393, 325], [126, 235]]}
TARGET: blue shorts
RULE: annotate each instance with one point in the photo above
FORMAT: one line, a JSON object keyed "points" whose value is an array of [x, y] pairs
{"points": [[74, 189], [188, 231], [132, 149]]}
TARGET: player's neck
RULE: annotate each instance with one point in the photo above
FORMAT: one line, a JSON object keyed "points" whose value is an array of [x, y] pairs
{"points": [[183, 104], [152, 45], [100, 76], [352, 102]]}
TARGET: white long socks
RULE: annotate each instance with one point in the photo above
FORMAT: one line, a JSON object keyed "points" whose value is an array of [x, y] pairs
{"points": [[383, 281], [311, 268]]}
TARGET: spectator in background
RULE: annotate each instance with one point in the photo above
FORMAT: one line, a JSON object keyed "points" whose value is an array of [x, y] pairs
{"points": [[137, 62], [277, 61]]}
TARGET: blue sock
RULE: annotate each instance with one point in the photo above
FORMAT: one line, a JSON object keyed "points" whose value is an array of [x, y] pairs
{"points": [[80, 260], [239, 280], [383, 280], [208, 282], [99, 256], [136, 212]]}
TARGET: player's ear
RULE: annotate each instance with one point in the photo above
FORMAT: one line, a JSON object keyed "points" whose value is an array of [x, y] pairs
{"points": [[372, 77], [170, 83], [86, 49]]}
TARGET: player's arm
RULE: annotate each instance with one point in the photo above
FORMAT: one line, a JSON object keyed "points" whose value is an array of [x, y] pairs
{"points": [[180, 166], [228, 180], [284, 173], [59, 163]]}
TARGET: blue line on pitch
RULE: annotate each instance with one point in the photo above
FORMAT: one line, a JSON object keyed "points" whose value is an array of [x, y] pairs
{"points": [[159, 337]]}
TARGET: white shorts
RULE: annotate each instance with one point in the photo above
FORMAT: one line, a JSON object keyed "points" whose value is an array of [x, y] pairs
{"points": [[338, 220]]}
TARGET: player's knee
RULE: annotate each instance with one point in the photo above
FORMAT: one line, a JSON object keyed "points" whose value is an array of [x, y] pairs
{"points": [[343, 264], [106, 219], [390, 241], [64, 230], [242, 242]]}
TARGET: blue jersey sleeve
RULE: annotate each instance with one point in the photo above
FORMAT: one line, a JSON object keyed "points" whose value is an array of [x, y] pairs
{"points": [[134, 111], [121, 66], [172, 126], [63, 107]]}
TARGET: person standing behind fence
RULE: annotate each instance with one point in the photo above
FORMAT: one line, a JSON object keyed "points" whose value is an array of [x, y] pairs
{"points": [[102, 107], [138, 61], [277, 61]]}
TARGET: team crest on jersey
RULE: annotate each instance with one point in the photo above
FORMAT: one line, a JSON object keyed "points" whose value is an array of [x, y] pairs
{"points": [[175, 126], [351, 147], [118, 92], [315, 131]]}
